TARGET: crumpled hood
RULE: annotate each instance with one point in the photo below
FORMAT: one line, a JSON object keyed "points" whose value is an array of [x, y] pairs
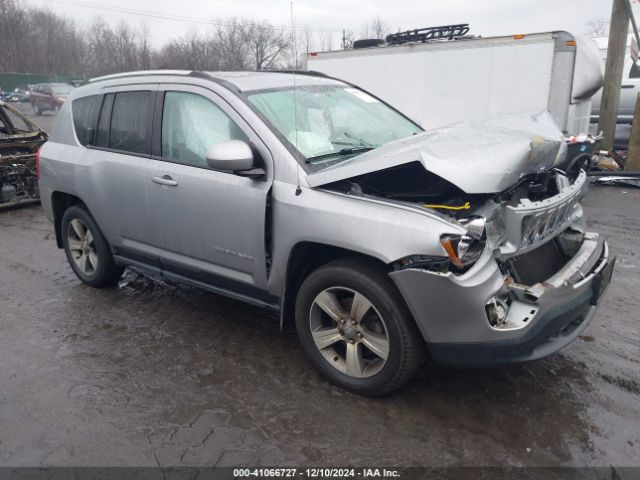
{"points": [[484, 155]]}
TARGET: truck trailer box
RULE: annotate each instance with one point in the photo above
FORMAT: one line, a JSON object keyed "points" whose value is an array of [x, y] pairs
{"points": [[445, 81]]}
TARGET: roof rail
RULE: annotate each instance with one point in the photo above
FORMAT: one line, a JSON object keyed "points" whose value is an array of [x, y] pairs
{"points": [[421, 35], [139, 73], [309, 73]]}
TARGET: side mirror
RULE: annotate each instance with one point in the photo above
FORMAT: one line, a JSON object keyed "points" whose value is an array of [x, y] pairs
{"points": [[232, 155]]}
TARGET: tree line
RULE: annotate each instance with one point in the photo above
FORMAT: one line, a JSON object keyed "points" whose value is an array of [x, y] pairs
{"points": [[37, 40]]}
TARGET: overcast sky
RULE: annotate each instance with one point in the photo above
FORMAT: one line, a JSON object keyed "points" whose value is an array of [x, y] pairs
{"points": [[486, 17]]}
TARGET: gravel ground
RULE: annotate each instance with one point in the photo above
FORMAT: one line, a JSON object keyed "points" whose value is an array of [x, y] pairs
{"points": [[149, 373]]}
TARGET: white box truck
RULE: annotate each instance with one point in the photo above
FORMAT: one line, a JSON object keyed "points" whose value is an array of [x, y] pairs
{"points": [[438, 82], [630, 82]]}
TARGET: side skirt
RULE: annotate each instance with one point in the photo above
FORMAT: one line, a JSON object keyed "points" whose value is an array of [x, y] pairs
{"points": [[269, 302]]}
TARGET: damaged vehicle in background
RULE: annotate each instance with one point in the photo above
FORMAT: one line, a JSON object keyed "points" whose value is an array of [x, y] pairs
{"points": [[19, 141], [378, 241]]}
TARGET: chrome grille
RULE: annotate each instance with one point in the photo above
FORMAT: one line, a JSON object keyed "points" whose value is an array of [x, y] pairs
{"points": [[538, 226], [530, 222]]}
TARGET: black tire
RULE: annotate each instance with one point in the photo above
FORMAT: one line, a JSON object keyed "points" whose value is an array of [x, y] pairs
{"points": [[106, 272], [406, 348]]}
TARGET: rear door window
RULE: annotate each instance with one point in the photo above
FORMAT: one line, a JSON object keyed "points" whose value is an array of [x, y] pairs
{"points": [[129, 122], [85, 113]]}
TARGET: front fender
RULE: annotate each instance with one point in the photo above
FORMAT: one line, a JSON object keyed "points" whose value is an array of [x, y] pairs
{"points": [[380, 230]]}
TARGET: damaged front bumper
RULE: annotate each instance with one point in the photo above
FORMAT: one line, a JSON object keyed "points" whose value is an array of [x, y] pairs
{"points": [[450, 310]]}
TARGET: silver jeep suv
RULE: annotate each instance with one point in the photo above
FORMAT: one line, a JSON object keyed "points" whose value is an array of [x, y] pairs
{"points": [[305, 195]]}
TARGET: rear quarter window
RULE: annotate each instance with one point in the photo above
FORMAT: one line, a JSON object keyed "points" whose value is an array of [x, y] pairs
{"points": [[85, 115]]}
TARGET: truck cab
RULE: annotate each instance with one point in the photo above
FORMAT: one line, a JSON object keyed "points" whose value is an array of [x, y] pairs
{"points": [[629, 88]]}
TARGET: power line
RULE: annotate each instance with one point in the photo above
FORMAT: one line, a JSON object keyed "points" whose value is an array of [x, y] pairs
{"points": [[175, 18]]}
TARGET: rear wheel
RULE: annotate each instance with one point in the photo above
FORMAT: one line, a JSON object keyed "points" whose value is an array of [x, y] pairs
{"points": [[356, 329], [87, 250]]}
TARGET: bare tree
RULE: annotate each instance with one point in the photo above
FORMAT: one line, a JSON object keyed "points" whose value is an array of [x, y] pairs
{"points": [[13, 20], [374, 28], [233, 51], [598, 28], [266, 45], [37, 40], [101, 46], [126, 51], [303, 43], [143, 47], [305, 40], [348, 37], [326, 41], [379, 28], [190, 52]]}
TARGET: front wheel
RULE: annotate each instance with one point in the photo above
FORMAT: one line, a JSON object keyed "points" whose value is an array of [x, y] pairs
{"points": [[87, 250], [356, 329]]}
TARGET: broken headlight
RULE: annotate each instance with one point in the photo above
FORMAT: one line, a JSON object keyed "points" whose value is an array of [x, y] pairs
{"points": [[462, 250], [465, 250]]}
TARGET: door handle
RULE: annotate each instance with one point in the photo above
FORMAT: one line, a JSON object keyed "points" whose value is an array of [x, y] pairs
{"points": [[165, 180], [627, 86]]}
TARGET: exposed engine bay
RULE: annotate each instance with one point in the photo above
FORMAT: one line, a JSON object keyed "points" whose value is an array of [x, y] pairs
{"points": [[538, 208], [408, 183], [413, 184]]}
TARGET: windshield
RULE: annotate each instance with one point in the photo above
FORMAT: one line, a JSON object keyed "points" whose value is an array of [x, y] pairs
{"points": [[61, 89], [333, 122]]}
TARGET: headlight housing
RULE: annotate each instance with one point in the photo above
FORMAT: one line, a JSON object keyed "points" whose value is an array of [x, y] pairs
{"points": [[462, 250]]}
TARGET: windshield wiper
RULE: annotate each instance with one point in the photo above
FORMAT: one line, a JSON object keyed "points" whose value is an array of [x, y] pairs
{"points": [[342, 152]]}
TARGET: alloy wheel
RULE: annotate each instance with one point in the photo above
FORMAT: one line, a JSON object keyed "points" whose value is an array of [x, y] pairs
{"points": [[349, 332], [82, 247]]}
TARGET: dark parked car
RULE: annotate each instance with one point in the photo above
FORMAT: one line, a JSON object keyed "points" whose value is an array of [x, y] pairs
{"points": [[49, 96], [20, 138]]}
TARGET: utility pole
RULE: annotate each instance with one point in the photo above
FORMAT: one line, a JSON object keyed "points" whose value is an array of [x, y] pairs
{"points": [[618, 31]]}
